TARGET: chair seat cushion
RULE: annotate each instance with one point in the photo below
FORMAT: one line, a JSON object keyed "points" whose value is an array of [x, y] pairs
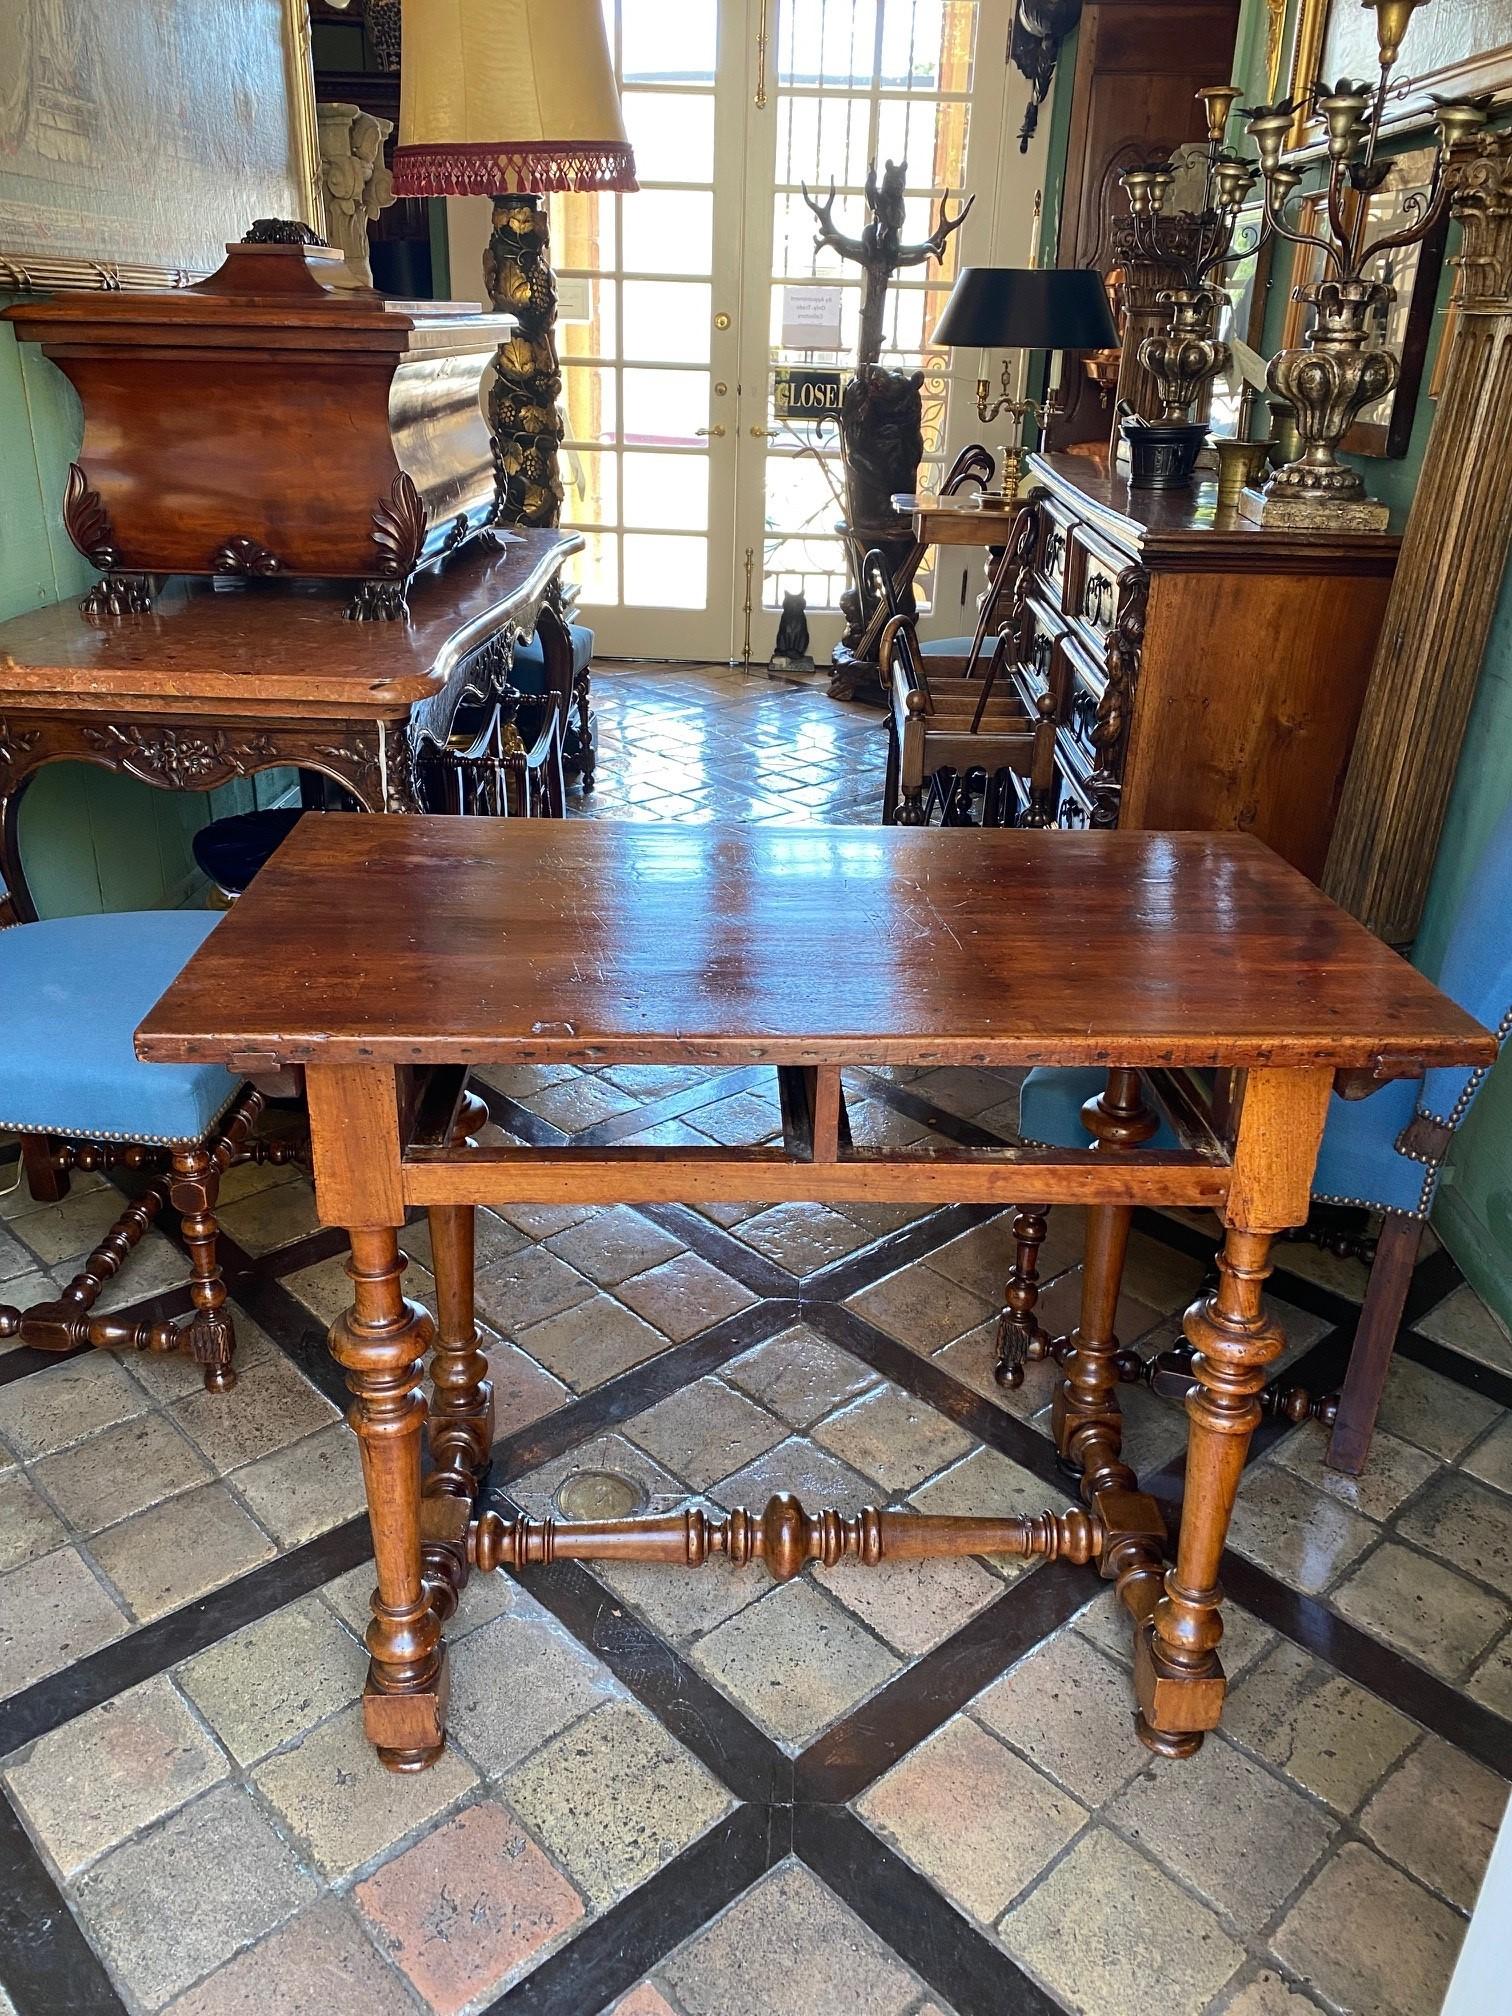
{"points": [[72, 991], [529, 675], [1051, 1102], [1358, 1162]]}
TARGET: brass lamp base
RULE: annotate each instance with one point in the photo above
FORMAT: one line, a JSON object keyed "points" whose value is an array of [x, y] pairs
{"points": [[1010, 481], [1304, 514]]}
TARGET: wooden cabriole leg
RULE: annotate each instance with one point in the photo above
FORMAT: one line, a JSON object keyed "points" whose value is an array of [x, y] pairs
{"points": [[380, 1344], [1375, 1339], [1178, 1677], [461, 1429]]}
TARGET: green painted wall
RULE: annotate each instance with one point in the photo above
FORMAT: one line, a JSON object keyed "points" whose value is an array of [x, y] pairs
{"points": [[90, 840], [1474, 1212]]}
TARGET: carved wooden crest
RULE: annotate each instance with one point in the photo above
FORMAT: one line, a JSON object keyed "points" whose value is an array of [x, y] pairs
{"points": [[86, 521]]}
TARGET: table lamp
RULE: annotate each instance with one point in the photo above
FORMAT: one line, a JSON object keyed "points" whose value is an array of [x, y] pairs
{"points": [[514, 100], [1023, 308]]}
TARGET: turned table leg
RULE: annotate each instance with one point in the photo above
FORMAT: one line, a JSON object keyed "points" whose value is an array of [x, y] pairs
{"points": [[1178, 1677], [461, 1429], [380, 1344], [1085, 1417]]}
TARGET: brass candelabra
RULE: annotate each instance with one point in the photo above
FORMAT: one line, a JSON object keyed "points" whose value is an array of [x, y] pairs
{"points": [[1188, 354], [1340, 369], [1011, 454]]}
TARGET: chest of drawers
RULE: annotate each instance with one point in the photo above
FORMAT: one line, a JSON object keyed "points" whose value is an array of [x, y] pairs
{"points": [[1200, 671]]}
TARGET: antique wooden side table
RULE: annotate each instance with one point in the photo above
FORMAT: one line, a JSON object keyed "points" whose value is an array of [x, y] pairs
{"points": [[214, 683], [385, 956]]}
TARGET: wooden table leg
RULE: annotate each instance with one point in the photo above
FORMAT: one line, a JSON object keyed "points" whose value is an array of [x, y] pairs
{"points": [[461, 1429], [1178, 1677], [1085, 1417], [380, 1344]]}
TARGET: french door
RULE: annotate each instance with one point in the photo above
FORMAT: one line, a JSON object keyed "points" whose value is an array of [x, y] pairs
{"points": [[698, 313]]}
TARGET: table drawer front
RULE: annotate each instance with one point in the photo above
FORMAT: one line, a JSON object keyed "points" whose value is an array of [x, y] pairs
{"points": [[1040, 633], [1092, 717], [1055, 551], [1073, 803], [1096, 587]]}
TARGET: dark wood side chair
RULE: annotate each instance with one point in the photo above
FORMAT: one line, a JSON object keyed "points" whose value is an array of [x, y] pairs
{"points": [[1384, 1152], [956, 725], [558, 658], [72, 991]]}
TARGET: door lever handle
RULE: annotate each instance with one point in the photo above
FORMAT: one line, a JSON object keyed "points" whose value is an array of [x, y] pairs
{"points": [[712, 433]]}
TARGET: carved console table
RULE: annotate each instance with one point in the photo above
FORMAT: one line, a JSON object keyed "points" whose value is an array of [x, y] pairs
{"points": [[216, 683], [1201, 671], [1153, 955]]}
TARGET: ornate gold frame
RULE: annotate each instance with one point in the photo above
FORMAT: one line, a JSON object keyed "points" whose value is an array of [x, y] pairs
{"points": [[25, 272], [1489, 72]]}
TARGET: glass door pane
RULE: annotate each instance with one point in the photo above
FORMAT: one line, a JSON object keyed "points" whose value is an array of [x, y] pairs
{"points": [[875, 81], [648, 394]]}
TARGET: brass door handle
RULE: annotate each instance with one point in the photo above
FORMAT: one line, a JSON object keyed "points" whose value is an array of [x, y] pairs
{"points": [[714, 433], [761, 433]]}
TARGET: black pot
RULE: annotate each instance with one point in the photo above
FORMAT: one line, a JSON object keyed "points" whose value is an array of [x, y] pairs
{"points": [[1162, 457]]}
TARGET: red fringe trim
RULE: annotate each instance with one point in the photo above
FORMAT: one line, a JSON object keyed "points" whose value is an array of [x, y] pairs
{"points": [[534, 167]]}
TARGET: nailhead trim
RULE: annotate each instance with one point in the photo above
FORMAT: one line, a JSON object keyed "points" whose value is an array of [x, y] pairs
{"points": [[146, 1140]]}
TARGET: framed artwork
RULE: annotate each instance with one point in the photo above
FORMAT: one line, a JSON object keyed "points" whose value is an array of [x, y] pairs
{"points": [[1455, 48], [1406, 324], [136, 140]]}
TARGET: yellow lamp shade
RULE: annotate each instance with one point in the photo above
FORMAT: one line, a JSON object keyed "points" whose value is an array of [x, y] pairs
{"points": [[501, 97]]}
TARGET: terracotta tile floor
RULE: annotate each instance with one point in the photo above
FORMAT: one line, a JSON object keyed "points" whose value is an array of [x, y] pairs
{"points": [[896, 1793]]}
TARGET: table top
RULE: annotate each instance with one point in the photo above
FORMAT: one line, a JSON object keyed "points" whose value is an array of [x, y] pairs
{"points": [[446, 940], [257, 642]]}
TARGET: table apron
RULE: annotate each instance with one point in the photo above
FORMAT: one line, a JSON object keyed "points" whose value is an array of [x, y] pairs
{"points": [[502, 1176]]}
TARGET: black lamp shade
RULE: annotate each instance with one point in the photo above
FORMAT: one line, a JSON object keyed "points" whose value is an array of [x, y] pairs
{"points": [[1027, 308]]}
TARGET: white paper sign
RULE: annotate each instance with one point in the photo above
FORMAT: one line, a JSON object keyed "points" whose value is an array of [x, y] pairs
{"points": [[574, 298], [811, 318]]}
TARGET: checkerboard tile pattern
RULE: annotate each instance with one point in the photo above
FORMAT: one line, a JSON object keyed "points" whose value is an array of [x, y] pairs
{"points": [[910, 1792]]}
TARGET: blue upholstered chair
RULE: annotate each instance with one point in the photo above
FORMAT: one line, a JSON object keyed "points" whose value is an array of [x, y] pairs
{"points": [[72, 991], [1385, 1152]]}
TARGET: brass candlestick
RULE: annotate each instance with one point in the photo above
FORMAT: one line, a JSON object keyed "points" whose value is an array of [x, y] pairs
{"points": [[1042, 411], [1340, 369]]}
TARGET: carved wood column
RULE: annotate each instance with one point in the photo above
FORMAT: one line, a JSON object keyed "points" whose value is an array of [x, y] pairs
{"points": [[1447, 579]]}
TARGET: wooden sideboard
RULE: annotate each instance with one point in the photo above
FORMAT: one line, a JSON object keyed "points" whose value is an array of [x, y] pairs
{"points": [[1200, 671], [216, 682]]}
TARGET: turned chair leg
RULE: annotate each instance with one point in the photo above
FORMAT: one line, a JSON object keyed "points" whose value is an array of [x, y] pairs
{"points": [[47, 1182], [1019, 1335], [1375, 1340], [193, 1188], [66, 1324], [460, 1430]]}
